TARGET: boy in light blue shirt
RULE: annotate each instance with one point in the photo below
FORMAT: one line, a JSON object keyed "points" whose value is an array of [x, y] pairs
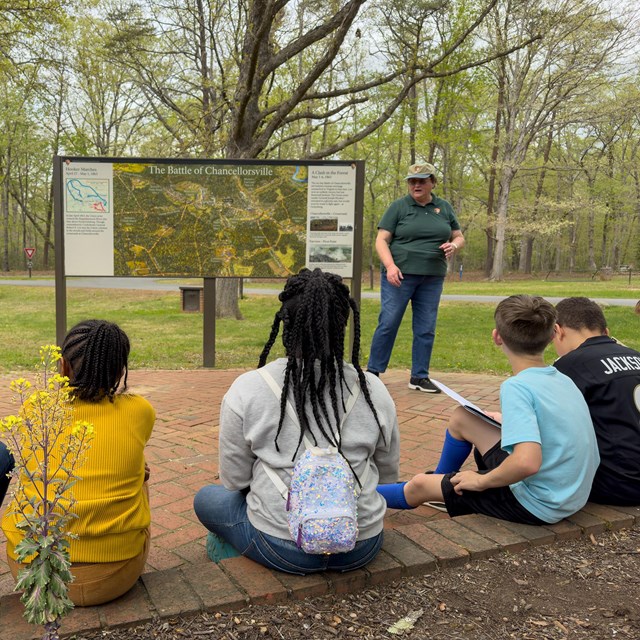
{"points": [[539, 467]]}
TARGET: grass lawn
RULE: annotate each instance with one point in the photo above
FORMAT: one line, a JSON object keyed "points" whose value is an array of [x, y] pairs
{"points": [[618, 287], [164, 337]]}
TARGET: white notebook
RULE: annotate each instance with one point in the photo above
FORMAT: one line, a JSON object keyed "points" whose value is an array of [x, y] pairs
{"points": [[463, 402]]}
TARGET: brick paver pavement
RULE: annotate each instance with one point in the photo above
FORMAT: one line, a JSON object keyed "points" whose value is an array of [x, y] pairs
{"points": [[182, 454], [183, 450]]}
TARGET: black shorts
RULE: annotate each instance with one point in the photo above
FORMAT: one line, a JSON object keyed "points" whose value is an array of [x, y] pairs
{"points": [[498, 503], [614, 489]]}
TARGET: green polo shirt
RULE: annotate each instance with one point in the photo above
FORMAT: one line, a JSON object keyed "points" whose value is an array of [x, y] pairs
{"points": [[417, 232]]}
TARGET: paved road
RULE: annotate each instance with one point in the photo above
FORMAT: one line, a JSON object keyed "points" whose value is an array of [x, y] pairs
{"points": [[162, 285]]}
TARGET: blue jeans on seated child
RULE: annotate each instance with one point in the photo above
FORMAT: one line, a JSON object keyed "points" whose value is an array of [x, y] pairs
{"points": [[224, 513], [6, 465]]}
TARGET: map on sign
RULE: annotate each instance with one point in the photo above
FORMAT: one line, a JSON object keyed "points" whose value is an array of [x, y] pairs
{"points": [[87, 195], [172, 220]]}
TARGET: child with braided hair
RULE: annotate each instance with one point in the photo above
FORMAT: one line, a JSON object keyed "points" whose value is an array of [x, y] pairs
{"points": [[112, 500], [246, 514]]}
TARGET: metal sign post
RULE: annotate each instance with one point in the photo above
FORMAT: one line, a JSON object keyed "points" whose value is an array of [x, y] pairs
{"points": [[29, 252]]}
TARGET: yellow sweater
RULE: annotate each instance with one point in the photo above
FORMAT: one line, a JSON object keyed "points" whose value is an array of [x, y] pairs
{"points": [[112, 507]]}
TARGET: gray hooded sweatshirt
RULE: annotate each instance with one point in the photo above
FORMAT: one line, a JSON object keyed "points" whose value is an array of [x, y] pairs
{"points": [[249, 419]]}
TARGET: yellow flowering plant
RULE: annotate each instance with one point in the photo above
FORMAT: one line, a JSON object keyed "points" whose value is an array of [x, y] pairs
{"points": [[49, 448]]}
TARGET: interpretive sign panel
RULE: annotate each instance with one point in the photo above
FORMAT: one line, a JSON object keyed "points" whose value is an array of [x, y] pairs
{"points": [[189, 218]]}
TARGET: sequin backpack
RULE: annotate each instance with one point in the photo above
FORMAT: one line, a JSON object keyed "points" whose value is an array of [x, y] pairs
{"points": [[322, 499]]}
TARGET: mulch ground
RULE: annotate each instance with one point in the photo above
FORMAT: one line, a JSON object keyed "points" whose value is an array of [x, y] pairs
{"points": [[586, 588]]}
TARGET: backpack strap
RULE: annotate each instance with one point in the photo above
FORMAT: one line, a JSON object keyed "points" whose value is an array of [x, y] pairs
{"points": [[282, 488], [277, 391], [291, 412]]}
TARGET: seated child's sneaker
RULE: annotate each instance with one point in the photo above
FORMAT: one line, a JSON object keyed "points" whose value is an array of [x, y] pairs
{"points": [[434, 504], [219, 549]]}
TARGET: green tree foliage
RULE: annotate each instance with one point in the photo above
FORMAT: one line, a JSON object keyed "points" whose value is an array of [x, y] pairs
{"points": [[528, 110], [243, 79]]}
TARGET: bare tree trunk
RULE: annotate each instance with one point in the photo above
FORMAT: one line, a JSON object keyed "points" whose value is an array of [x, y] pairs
{"points": [[609, 214], [48, 230], [526, 251], [228, 299], [413, 122], [591, 216], [398, 170], [527, 245], [497, 269], [489, 229], [604, 257], [209, 97], [636, 181], [4, 208], [573, 229], [372, 235], [23, 218], [591, 238]]}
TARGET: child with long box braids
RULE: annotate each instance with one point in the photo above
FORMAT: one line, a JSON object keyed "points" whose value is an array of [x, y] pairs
{"points": [[246, 514], [112, 499]]}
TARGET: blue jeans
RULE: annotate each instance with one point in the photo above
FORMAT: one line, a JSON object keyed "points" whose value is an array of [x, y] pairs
{"points": [[6, 464], [424, 293], [224, 513]]}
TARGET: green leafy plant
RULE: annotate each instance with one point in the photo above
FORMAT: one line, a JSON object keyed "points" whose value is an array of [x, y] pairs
{"points": [[49, 448]]}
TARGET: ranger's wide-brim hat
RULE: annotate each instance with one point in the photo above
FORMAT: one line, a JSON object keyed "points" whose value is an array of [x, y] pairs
{"points": [[421, 170]]}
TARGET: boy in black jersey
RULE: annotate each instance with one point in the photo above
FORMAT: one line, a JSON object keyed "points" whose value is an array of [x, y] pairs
{"points": [[608, 375]]}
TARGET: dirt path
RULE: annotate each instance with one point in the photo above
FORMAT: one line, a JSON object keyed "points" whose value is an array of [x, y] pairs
{"points": [[588, 588]]}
